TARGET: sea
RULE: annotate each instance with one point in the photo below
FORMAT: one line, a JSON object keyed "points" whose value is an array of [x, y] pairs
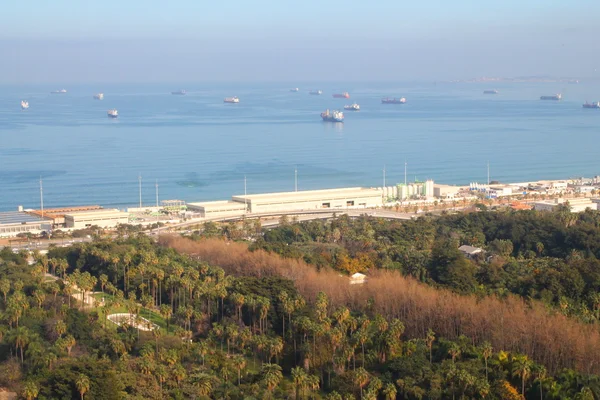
{"points": [[197, 148]]}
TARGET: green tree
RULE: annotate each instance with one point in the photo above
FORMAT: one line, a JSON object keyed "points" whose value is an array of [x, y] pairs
{"points": [[204, 383], [361, 378], [30, 390], [389, 391], [486, 352], [83, 385], [522, 368], [271, 375]]}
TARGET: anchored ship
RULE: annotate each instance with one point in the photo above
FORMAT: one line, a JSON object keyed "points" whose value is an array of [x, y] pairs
{"points": [[490, 91], [352, 107], [61, 91], [294, 90], [592, 104], [387, 100], [344, 95], [233, 99], [333, 116], [316, 92], [113, 113], [554, 97], [24, 104], [179, 92], [99, 96]]}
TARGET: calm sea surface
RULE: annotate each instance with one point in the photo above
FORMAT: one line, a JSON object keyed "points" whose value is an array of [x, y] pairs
{"points": [[198, 148]]}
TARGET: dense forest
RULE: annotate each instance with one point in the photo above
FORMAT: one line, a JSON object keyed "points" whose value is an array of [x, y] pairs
{"points": [[246, 313]]}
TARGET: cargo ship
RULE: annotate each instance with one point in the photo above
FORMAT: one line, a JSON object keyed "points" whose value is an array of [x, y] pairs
{"points": [[99, 96], [113, 113], [179, 92], [344, 95], [555, 97], [61, 91], [334, 116], [387, 100], [352, 107], [294, 89], [490, 92], [233, 99], [592, 104], [316, 92], [24, 104]]}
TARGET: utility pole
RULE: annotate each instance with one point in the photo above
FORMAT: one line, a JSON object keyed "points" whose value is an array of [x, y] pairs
{"points": [[157, 211], [384, 176], [405, 164], [245, 199], [295, 179], [488, 171], [41, 197], [157, 193], [140, 185]]}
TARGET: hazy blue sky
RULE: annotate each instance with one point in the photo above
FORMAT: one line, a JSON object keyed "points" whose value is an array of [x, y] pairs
{"points": [[240, 40]]}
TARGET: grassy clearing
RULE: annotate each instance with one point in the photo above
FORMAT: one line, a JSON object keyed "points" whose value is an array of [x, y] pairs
{"points": [[150, 315]]}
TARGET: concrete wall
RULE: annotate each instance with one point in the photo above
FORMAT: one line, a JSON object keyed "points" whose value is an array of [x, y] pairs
{"points": [[103, 219], [218, 209]]}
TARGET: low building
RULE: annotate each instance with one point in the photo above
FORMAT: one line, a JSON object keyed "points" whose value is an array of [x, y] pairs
{"points": [[342, 199], [103, 218], [13, 223], [470, 251], [576, 205], [57, 215], [584, 189], [500, 191], [218, 209], [445, 191]]}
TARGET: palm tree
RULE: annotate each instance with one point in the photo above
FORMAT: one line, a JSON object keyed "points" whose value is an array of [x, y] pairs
{"points": [[361, 378], [486, 351], [203, 383], [271, 375], [83, 384], [178, 373], [30, 390], [585, 394], [429, 339], [69, 342], [540, 372], [4, 287], [240, 363], [454, 351], [389, 391], [522, 367], [21, 337], [313, 382], [299, 378]]}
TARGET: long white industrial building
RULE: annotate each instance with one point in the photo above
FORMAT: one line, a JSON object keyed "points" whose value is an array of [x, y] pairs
{"points": [[307, 200]]}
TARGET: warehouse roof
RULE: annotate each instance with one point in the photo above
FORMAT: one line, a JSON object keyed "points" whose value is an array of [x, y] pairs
{"points": [[18, 217], [60, 212], [97, 213]]}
